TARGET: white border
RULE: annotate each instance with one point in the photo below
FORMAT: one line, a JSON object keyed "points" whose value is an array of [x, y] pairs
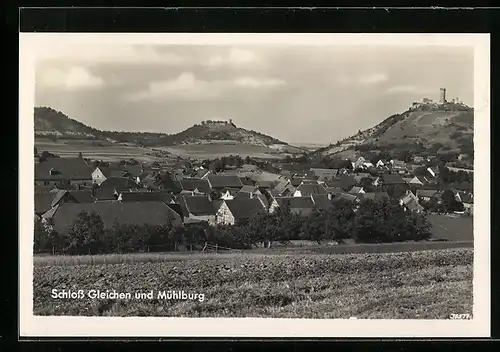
{"points": [[479, 326]]}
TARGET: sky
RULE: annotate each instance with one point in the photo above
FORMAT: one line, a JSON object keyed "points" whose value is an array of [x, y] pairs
{"points": [[296, 93]]}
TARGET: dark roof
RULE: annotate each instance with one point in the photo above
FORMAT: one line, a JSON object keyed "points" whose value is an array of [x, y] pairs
{"points": [[39, 189], [82, 196], [296, 181], [43, 202], [246, 181], [190, 184], [296, 202], [244, 208], [346, 196], [307, 190], [321, 201], [265, 184], [146, 197], [197, 205], [392, 179], [248, 189], [377, 196], [63, 168], [427, 193], [333, 190], [118, 183], [221, 181], [325, 173], [105, 194], [139, 213]]}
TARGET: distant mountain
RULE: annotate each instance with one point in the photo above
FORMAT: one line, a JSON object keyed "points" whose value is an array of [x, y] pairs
{"points": [[56, 125], [444, 127]]}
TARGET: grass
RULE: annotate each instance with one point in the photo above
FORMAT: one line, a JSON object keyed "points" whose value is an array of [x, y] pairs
{"points": [[47, 260], [452, 228], [412, 285]]}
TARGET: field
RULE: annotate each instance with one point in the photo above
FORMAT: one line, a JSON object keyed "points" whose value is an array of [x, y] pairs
{"points": [[217, 150], [423, 284], [94, 150], [452, 228]]}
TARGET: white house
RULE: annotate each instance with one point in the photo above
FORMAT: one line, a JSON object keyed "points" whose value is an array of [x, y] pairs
{"points": [[380, 163]]}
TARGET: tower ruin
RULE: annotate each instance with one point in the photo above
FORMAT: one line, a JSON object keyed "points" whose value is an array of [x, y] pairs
{"points": [[442, 95]]}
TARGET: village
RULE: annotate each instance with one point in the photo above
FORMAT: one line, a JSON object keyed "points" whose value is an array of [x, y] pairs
{"points": [[232, 190]]}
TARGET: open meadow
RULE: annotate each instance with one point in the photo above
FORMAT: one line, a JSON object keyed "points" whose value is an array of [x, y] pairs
{"points": [[217, 150], [408, 285], [99, 150]]}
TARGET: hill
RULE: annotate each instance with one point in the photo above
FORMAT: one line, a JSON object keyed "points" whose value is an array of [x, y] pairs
{"points": [[443, 128], [56, 125]]}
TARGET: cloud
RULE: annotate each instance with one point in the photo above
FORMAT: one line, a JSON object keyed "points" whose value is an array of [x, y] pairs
{"points": [[119, 54], [75, 77], [366, 79], [235, 57], [185, 87], [188, 87], [407, 89], [374, 78], [249, 82]]}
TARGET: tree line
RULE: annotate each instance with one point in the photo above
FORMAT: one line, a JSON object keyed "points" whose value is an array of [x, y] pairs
{"points": [[369, 222]]}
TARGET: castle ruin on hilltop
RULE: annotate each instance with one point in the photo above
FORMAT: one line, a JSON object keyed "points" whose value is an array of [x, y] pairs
{"points": [[218, 123], [429, 104]]}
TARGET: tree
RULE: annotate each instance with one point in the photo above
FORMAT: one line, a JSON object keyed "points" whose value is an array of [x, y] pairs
{"points": [[86, 234], [450, 203]]}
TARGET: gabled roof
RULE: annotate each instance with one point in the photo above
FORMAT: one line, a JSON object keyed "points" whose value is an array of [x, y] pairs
{"points": [[333, 190], [296, 181], [190, 184], [146, 197], [411, 203], [82, 196], [426, 193], [246, 181], [244, 208], [118, 183], [321, 201], [249, 189], [139, 213], [302, 206], [422, 179], [466, 197], [63, 168], [347, 196], [43, 202], [197, 205], [58, 196], [221, 181], [308, 190], [265, 184], [326, 173], [377, 196], [355, 189], [392, 179], [105, 194]]}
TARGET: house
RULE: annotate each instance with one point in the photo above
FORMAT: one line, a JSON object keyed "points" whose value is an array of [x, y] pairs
{"points": [[303, 206], [463, 157], [397, 164], [392, 179], [356, 190], [63, 215], [324, 174], [105, 195], [305, 190], [118, 183], [57, 171], [426, 194], [377, 181], [134, 172], [467, 200], [234, 210], [348, 197], [407, 179], [219, 182], [359, 163], [410, 202], [379, 164], [418, 181], [296, 180], [48, 200], [281, 186], [376, 196], [246, 181], [264, 184], [433, 171], [322, 201], [228, 193], [190, 184], [156, 196], [198, 208], [418, 159], [201, 173], [333, 190]]}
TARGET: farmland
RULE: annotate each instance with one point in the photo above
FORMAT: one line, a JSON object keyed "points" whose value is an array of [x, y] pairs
{"points": [[94, 150], [452, 228], [422, 284], [216, 150]]}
